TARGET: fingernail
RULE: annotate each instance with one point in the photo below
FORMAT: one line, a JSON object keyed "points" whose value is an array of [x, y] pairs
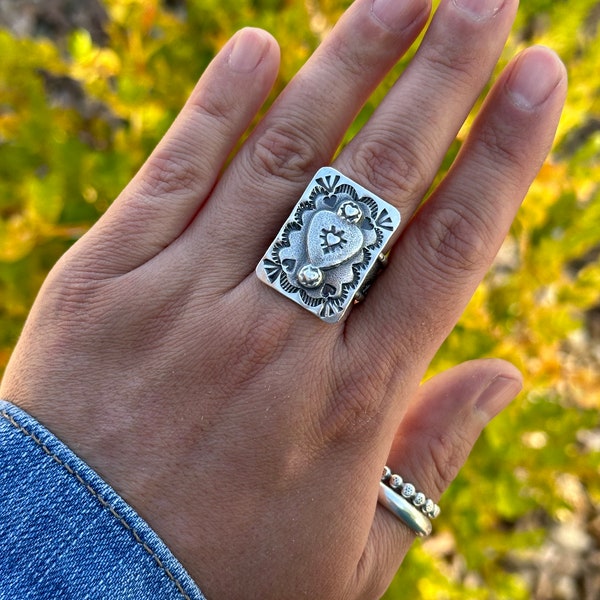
{"points": [[397, 15], [498, 395], [479, 9], [248, 50], [534, 77]]}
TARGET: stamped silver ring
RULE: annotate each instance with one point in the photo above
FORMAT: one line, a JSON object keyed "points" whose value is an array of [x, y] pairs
{"points": [[402, 499], [331, 247]]}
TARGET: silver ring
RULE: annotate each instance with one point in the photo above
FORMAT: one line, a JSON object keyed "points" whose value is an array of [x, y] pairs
{"points": [[401, 498], [408, 491], [331, 247], [409, 514]]}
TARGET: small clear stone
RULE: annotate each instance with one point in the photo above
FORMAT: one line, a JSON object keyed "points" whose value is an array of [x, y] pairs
{"points": [[408, 490], [429, 505], [396, 482], [387, 473], [419, 499]]}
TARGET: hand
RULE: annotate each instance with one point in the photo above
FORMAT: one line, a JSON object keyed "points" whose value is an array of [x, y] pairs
{"points": [[250, 435]]}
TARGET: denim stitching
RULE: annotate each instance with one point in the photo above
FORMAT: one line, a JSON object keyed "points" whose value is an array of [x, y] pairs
{"points": [[100, 498]]}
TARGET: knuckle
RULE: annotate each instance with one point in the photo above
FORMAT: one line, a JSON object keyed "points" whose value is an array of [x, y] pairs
{"points": [[447, 453], [212, 107], [170, 172], [501, 144], [353, 63], [349, 415], [455, 243], [262, 341], [285, 150], [454, 67], [77, 294], [356, 403], [255, 342], [387, 166]]}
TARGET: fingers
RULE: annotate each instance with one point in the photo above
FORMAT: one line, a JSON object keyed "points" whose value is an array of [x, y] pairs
{"points": [[435, 438], [445, 251], [399, 151], [303, 129], [170, 188]]}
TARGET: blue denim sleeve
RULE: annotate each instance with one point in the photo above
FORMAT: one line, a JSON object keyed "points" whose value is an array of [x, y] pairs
{"points": [[65, 533]]}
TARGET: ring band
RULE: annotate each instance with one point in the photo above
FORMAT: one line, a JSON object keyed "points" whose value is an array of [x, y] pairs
{"points": [[404, 510], [331, 247], [402, 499], [427, 506]]}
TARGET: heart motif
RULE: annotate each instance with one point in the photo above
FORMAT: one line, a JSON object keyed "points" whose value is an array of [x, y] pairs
{"points": [[352, 211], [330, 200], [289, 264], [330, 241], [333, 240]]}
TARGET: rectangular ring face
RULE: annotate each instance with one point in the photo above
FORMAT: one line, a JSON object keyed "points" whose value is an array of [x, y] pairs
{"points": [[331, 245]]}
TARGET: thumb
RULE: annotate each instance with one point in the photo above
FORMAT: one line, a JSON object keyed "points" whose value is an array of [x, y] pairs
{"points": [[432, 443]]}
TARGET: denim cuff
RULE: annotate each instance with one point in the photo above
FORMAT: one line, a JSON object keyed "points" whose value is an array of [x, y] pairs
{"points": [[65, 533]]}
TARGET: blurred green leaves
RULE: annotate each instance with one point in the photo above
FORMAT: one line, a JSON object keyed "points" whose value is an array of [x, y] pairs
{"points": [[78, 120]]}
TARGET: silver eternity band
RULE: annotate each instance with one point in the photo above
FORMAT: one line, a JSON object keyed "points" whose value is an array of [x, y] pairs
{"points": [[402, 499]]}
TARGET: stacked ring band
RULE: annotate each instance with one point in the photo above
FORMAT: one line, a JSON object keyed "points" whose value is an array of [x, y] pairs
{"points": [[427, 506], [401, 498]]}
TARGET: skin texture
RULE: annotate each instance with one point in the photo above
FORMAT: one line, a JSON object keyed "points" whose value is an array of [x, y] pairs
{"points": [[249, 434]]}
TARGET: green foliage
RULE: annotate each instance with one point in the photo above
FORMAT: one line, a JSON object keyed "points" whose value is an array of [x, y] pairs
{"points": [[65, 156]]}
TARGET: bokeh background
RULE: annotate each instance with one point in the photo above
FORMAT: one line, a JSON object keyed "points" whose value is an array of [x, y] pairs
{"points": [[87, 88]]}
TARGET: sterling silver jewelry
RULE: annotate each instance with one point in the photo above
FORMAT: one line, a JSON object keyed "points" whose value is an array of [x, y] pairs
{"points": [[404, 510], [331, 247], [413, 508]]}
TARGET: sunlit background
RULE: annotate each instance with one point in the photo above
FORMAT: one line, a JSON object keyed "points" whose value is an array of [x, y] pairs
{"points": [[87, 88]]}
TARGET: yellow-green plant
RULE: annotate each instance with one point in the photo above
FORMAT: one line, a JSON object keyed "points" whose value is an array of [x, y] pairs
{"points": [[77, 121]]}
